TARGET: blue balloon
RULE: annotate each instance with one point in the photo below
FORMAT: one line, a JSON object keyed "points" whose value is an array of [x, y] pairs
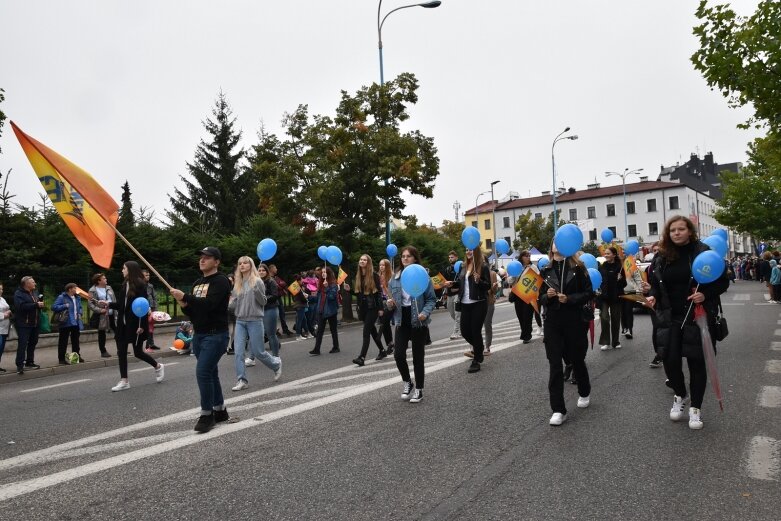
{"points": [[632, 247], [267, 248], [514, 268], [607, 235], [140, 307], [414, 280], [717, 244], [568, 239], [322, 252], [543, 262], [722, 233], [334, 255], [707, 267], [596, 278], [391, 250], [457, 266], [470, 237], [502, 247], [589, 260]]}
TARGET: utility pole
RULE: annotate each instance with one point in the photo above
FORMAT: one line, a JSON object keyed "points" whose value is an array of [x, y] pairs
{"points": [[456, 207]]}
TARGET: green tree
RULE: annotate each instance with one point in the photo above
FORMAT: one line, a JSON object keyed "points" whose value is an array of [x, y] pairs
{"points": [[535, 232], [741, 56], [221, 194], [127, 220]]}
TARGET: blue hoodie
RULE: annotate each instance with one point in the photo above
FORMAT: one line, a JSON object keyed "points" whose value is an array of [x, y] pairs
{"points": [[775, 273]]}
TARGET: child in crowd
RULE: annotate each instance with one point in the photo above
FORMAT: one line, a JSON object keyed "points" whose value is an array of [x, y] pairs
{"points": [[184, 333]]}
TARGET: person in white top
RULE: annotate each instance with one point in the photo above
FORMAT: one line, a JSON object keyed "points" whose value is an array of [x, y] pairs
{"points": [[5, 324]]}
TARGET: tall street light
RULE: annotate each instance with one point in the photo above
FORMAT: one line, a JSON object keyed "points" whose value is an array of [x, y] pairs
{"points": [[493, 221], [623, 177], [380, 22], [477, 214], [553, 163]]}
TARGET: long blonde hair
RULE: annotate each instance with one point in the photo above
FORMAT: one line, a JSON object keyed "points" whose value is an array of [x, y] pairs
{"points": [[238, 277], [367, 279], [477, 261], [388, 272]]}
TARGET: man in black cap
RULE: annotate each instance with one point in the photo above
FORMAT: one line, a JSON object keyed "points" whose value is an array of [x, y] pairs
{"points": [[207, 307]]}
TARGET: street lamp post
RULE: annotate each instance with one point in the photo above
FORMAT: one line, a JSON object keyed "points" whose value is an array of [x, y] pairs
{"points": [[493, 221], [380, 22], [553, 163], [623, 177]]}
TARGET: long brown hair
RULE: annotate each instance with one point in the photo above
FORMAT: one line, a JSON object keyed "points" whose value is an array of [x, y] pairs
{"points": [[666, 244], [329, 277], [412, 251], [364, 283], [574, 260], [386, 275], [477, 261]]}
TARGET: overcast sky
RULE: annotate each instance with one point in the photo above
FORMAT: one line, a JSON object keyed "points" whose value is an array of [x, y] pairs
{"points": [[120, 88]]}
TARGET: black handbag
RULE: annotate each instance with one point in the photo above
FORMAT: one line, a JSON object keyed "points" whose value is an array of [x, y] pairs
{"points": [[721, 330], [60, 317]]}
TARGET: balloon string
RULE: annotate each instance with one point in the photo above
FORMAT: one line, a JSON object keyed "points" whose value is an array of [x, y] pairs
{"points": [[690, 306]]}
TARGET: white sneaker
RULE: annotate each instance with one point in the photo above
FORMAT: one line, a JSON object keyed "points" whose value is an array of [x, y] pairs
{"points": [[160, 373], [584, 401], [617, 346], [249, 362], [121, 386], [557, 419], [240, 386], [695, 418], [278, 372], [299, 337], [454, 336], [678, 410], [604, 348]]}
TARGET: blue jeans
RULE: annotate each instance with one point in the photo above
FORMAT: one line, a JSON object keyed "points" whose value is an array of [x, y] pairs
{"points": [[28, 339], [252, 330], [3, 338], [208, 349], [270, 317], [302, 324], [311, 313]]}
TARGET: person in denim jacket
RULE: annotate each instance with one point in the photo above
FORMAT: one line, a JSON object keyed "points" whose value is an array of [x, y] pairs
{"points": [[327, 307], [413, 316], [70, 301]]}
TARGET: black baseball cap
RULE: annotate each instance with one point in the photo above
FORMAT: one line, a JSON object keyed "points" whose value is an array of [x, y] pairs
{"points": [[211, 251]]}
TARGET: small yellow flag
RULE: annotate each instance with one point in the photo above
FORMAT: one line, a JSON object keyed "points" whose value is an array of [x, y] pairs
{"points": [[342, 276], [438, 281], [527, 288], [294, 288]]}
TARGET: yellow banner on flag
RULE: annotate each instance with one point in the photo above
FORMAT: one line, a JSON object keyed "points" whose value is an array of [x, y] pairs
{"points": [[527, 288], [294, 288], [603, 247], [342, 276], [438, 281], [81, 202], [630, 266]]}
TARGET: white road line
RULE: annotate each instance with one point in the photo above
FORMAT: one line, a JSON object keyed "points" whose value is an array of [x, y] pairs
{"points": [[773, 366], [763, 304], [775, 346], [777, 332], [150, 368], [770, 396], [21, 488], [762, 461], [733, 303], [55, 385], [742, 296]]}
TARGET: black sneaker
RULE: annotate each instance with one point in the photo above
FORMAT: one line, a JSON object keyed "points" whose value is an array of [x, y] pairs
{"points": [[334, 350], [314, 352], [105, 354], [221, 416], [628, 335], [473, 367], [656, 363], [20, 370], [32, 365], [230, 351], [358, 361], [668, 383], [389, 350], [407, 392], [3, 370], [382, 355], [205, 423], [417, 396]]}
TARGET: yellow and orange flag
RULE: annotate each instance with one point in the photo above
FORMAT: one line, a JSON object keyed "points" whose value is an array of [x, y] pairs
{"points": [[342, 276], [294, 288], [527, 288], [438, 281], [630, 266], [81, 202]]}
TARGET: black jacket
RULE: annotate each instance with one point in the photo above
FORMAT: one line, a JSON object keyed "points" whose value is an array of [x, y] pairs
{"points": [[577, 287], [451, 275], [26, 310], [478, 290], [127, 322], [371, 300], [613, 281]]}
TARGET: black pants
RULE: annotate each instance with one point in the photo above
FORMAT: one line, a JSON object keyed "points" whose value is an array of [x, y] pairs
{"points": [[282, 321], [566, 338], [673, 368], [610, 322], [62, 342], [472, 318], [102, 340], [404, 334], [385, 327], [321, 320], [369, 330], [28, 339], [627, 315], [138, 352], [524, 312]]}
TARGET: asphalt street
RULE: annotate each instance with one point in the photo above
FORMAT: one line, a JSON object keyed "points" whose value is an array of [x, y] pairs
{"points": [[331, 440]]}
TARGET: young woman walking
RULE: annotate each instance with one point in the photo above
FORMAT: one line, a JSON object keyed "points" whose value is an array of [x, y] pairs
{"points": [[673, 290], [565, 290], [386, 330], [270, 310], [473, 284], [634, 284], [100, 290], [326, 308], [130, 328], [613, 283], [412, 316], [368, 289], [523, 311]]}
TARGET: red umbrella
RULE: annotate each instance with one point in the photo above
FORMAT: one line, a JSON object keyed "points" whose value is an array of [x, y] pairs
{"points": [[701, 318], [591, 326]]}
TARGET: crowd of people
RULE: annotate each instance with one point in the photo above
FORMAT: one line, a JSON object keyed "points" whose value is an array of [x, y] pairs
{"points": [[240, 314]]}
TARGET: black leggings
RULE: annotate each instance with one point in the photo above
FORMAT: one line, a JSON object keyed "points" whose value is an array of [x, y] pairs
{"points": [[472, 318], [566, 339], [321, 320], [627, 315], [138, 352], [385, 327], [404, 334], [673, 368], [524, 312], [369, 330]]}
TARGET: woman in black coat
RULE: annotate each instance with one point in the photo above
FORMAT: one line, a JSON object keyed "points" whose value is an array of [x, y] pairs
{"points": [[613, 284], [473, 284], [673, 291]]}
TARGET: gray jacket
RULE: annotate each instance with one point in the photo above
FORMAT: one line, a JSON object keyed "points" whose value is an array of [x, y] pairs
{"points": [[248, 305]]}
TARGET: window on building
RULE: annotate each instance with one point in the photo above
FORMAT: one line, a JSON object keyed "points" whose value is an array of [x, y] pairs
{"points": [[592, 235], [632, 230], [630, 207], [487, 223], [611, 210], [592, 212], [653, 229], [573, 214], [506, 222], [489, 244], [538, 215], [651, 205], [612, 229], [674, 203], [509, 240], [474, 224]]}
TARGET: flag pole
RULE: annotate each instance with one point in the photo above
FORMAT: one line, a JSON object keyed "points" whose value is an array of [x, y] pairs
{"points": [[138, 254]]}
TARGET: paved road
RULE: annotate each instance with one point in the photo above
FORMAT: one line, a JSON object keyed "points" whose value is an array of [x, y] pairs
{"points": [[334, 441]]}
